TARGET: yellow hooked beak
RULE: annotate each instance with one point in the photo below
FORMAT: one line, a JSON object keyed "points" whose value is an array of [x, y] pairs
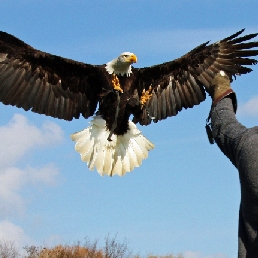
{"points": [[132, 58]]}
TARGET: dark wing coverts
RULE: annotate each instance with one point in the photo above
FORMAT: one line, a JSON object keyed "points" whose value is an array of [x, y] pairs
{"points": [[46, 84], [180, 83], [62, 88]]}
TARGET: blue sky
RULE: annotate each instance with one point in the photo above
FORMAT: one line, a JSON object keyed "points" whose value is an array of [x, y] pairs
{"points": [[185, 196]]}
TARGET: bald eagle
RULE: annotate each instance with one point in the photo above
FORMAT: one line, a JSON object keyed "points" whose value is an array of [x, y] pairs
{"points": [[110, 93]]}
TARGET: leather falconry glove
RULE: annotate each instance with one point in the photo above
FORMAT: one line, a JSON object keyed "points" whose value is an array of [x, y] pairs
{"points": [[219, 89]]}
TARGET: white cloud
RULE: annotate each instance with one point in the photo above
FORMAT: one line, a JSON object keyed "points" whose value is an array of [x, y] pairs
{"points": [[13, 179], [17, 138], [190, 254], [14, 233], [250, 108], [10, 200]]}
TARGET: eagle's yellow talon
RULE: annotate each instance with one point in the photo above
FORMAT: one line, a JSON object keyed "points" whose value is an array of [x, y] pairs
{"points": [[116, 84], [146, 95]]}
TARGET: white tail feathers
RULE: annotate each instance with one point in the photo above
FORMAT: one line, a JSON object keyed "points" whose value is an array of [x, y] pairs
{"points": [[121, 155]]}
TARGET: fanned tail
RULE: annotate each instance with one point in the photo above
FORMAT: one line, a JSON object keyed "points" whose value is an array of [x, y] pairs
{"points": [[121, 155]]}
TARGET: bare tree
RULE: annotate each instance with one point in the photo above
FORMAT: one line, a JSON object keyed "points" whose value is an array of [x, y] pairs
{"points": [[114, 249], [8, 249]]}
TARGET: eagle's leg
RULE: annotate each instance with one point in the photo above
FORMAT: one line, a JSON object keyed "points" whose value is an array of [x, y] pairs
{"points": [[114, 125], [146, 95], [116, 84]]}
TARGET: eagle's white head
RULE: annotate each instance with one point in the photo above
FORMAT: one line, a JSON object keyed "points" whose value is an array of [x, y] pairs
{"points": [[122, 64]]}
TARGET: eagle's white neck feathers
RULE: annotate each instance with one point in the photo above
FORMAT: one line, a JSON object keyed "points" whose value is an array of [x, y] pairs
{"points": [[118, 68], [122, 64]]}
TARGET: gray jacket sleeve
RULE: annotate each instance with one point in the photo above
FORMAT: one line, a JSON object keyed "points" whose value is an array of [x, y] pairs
{"points": [[240, 145]]}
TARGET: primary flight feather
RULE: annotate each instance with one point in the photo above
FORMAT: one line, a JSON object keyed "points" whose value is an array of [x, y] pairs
{"points": [[66, 89]]}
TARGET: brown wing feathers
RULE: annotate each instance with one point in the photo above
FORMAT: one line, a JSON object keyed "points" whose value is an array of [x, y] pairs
{"points": [[229, 55], [44, 83], [66, 89], [171, 95], [184, 79]]}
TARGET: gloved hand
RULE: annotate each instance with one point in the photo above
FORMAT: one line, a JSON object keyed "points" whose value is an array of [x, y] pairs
{"points": [[220, 88]]}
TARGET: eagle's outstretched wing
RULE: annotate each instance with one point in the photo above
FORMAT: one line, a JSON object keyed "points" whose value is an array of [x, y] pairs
{"points": [[182, 83], [47, 84]]}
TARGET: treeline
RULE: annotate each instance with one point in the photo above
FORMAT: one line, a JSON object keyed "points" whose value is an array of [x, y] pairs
{"points": [[86, 249]]}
